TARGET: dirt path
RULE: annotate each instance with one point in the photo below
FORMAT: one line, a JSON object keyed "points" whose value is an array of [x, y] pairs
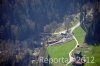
{"points": [[70, 53]]}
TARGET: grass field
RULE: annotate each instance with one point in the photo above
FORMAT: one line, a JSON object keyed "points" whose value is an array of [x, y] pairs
{"points": [[79, 33], [61, 51], [94, 50], [61, 28]]}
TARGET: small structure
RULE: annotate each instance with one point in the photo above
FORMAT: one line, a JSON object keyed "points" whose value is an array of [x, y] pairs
{"points": [[78, 59]]}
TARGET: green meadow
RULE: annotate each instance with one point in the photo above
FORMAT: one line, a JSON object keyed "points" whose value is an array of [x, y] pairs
{"points": [[61, 51]]}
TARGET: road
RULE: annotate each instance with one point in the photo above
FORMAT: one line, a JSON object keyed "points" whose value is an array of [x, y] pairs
{"points": [[78, 24], [71, 59]]}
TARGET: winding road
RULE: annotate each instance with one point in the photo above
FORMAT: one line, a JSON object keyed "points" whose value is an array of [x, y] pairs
{"points": [[71, 59]]}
